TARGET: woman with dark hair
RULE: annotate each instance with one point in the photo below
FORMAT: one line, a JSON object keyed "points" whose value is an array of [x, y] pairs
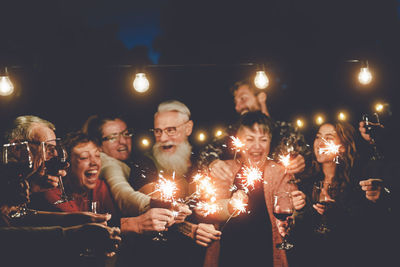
{"points": [[251, 237], [327, 230]]}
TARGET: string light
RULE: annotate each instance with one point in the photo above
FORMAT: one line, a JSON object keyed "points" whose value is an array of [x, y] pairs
{"points": [[365, 76], [319, 119], [342, 116], [6, 86], [218, 133], [379, 107], [201, 137], [145, 142], [141, 84], [300, 123]]}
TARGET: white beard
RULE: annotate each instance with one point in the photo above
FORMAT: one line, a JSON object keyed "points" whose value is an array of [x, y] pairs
{"points": [[178, 162]]}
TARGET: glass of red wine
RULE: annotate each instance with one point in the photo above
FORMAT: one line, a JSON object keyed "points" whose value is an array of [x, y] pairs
{"points": [[17, 165], [55, 159], [322, 194], [283, 210]]}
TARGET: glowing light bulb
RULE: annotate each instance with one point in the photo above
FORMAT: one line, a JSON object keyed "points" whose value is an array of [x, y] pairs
{"points": [[365, 76], [319, 120], [141, 84], [261, 80], [6, 86], [202, 137], [299, 123], [218, 133], [379, 107], [145, 142], [342, 116]]}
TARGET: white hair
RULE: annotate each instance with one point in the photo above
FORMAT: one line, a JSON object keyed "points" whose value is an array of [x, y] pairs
{"points": [[174, 105], [22, 127]]}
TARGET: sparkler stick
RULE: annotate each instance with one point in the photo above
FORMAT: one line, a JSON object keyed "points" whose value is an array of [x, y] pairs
{"points": [[239, 207]]}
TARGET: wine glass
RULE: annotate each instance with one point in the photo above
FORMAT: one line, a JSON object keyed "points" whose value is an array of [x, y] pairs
{"points": [[17, 165], [92, 206], [55, 159], [322, 194], [283, 210]]}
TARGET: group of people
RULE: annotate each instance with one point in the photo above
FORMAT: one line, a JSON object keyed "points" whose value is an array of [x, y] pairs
{"points": [[104, 207]]}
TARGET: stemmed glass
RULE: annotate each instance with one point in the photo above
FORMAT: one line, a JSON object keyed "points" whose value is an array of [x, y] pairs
{"points": [[17, 164], [322, 194], [55, 159], [283, 210], [92, 206]]}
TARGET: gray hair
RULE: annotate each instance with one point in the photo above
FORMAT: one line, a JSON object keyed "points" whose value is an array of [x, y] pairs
{"points": [[22, 127], [174, 105]]}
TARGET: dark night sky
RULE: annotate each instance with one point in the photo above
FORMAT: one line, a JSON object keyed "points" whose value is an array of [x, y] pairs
{"points": [[67, 57]]}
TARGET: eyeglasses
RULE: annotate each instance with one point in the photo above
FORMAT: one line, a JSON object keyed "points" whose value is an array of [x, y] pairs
{"points": [[170, 131], [128, 133]]}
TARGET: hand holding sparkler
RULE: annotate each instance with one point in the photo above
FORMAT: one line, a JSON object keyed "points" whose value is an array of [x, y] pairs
{"points": [[219, 169]]}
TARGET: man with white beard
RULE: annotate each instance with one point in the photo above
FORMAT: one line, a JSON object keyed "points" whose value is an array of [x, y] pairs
{"points": [[172, 151], [172, 154]]}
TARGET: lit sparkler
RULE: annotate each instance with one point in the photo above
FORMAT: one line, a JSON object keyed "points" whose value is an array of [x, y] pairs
{"points": [[249, 177], [329, 147], [207, 208], [166, 188], [239, 206], [285, 160], [237, 145]]}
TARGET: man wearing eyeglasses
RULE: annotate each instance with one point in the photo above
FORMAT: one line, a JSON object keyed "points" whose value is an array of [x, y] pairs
{"points": [[172, 154]]}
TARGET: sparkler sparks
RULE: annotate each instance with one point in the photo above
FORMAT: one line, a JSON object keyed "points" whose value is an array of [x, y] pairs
{"points": [[166, 188], [237, 144], [238, 205], [207, 208], [249, 177], [330, 148], [206, 191], [285, 160]]}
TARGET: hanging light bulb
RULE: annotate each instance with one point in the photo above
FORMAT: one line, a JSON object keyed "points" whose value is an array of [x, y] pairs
{"points": [[300, 123], [6, 86], [141, 84], [379, 107], [365, 76], [319, 119], [261, 80], [342, 116]]}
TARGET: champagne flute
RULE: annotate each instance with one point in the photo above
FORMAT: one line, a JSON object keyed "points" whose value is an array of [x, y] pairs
{"points": [[17, 164], [322, 194], [55, 159], [283, 210]]}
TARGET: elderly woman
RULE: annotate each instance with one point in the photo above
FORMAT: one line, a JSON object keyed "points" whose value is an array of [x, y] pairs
{"points": [[251, 237], [82, 182]]}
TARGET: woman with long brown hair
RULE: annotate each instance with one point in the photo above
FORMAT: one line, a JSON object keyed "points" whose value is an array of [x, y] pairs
{"points": [[325, 231]]}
